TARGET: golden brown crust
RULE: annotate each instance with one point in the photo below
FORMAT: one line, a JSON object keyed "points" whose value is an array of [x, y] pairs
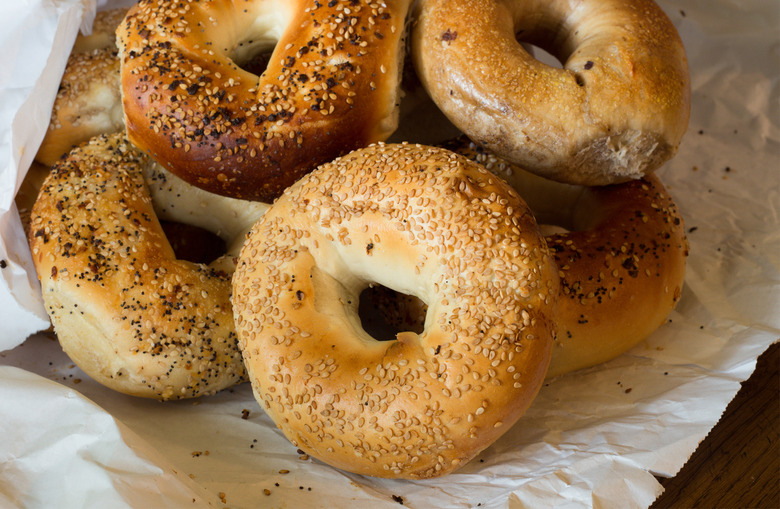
{"points": [[421, 221], [617, 109], [622, 267], [621, 278], [125, 310], [331, 85]]}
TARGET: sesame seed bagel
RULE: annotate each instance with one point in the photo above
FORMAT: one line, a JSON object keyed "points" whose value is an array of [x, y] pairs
{"points": [[88, 101], [124, 309], [615, 111], [421, 221], [621, 265], [331, 85]]}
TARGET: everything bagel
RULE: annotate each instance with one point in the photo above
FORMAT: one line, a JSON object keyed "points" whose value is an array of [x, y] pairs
{"points": [[330, 85], [125, 310]]}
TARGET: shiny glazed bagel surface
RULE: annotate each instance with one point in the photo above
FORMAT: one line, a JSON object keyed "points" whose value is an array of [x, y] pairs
{"points": [[330, 85]]}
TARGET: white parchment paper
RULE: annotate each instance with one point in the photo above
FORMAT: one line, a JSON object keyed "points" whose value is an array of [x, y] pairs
{"points": [[591, 439]]}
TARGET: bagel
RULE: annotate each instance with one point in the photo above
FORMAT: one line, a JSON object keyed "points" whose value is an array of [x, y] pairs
{"points": [[124, 309], [88, 101], [424, 222], [615, 111], [330, 85], [621, 263]]}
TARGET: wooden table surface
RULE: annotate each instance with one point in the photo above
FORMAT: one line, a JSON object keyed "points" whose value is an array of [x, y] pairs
{"points": [[738, 464]]}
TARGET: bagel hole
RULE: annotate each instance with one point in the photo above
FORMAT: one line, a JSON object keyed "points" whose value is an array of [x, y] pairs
{"points": [[193, 243], [550, 59], [256, 63], [542, 55], [384, 312], [253, 55]]}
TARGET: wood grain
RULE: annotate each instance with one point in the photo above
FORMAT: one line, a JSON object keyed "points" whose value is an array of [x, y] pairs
{"points": [[738, 464]]}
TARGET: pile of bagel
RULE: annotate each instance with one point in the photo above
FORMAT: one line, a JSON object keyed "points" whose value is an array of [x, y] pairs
{"points": [[538, 243]]}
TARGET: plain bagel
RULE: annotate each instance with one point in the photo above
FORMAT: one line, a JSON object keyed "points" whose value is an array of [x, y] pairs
{"points": [[616, 111], [425, 222], [124, 309], [331, 85]]}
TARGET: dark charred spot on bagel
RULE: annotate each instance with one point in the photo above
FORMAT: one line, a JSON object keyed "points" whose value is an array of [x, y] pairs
{"points": [[588, 65], [369, 247], [449, 36]]}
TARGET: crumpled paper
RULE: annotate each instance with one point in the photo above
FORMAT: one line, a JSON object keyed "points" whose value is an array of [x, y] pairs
{"points": [[594, 438]]}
